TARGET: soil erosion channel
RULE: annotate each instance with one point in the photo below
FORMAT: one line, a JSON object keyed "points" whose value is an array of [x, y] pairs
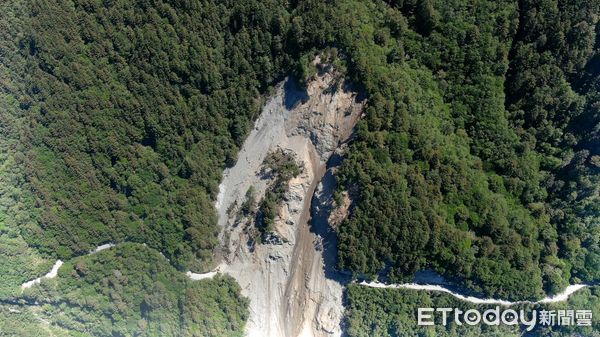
{"points": [[285, 278], [289, 278]]}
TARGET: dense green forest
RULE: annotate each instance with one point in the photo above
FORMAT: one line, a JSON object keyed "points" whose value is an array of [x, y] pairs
{"points": [[129, 290], [134, 110], [117, 119], [392, 312], [478, 156], [100, 295], [281, 167], [18, 263]]}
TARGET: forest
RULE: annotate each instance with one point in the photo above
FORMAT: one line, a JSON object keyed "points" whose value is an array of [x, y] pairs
{"points": [[391, 312], [117, 120], [132, 113], [100, 295], [281, 167], [478, 155]]}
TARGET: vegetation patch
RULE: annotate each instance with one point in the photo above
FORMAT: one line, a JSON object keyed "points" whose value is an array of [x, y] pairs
{"points": [[279, 166], [393, 312], [131, 289]]}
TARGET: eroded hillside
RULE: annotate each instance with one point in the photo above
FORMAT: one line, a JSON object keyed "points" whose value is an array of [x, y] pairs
{"points": [[285, 277]]}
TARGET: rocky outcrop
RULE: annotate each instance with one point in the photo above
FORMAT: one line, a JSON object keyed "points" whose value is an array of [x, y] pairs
{"points": [[286, 281]]}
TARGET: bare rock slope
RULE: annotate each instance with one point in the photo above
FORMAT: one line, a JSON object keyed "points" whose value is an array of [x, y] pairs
{"points": [[286, 282]]}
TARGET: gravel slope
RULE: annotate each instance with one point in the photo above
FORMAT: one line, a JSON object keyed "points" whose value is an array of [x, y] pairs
{"points": [[286, 283]]}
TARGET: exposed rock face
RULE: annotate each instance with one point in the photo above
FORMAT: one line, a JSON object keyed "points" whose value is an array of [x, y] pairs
{"points": [[340, 213], [286, 282]]}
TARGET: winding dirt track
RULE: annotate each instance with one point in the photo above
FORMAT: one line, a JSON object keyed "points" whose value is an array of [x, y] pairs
{"points": [[570, 290]]}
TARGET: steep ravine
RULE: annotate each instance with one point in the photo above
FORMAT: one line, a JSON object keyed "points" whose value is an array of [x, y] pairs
{"points": [[293, 288], [286, 282]]}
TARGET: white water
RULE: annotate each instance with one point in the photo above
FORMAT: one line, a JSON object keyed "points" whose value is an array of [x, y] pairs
{"points": [[476, 300]]}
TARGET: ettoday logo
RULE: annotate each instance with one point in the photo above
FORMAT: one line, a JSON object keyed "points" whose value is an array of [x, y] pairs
{"points": [[496, 316]]}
